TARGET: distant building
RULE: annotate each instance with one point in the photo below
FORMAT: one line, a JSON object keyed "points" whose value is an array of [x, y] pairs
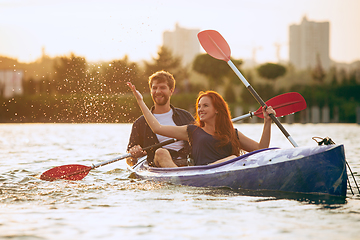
{"points": [[309, 44], [182, 43], [11, 83]]}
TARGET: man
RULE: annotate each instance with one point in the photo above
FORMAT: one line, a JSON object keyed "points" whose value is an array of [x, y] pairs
{"points": [[162, 86]]}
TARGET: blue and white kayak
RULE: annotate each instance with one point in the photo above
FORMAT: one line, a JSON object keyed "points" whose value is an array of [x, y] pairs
{"points": [[319, 169]]}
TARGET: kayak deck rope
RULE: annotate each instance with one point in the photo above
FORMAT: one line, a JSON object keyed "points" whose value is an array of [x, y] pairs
{"points": [[325, 141], [328, 141]]}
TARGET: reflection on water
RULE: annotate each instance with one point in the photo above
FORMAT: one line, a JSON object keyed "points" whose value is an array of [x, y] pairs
{"points": [[108, 203], [325, 200]]}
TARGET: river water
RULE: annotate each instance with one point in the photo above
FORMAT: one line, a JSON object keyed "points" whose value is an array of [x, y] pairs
{"points": [[110, 204]]}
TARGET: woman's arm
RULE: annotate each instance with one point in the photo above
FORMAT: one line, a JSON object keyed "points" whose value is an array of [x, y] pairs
{"points": [[266, 134], [178, 132], [250, 145]]}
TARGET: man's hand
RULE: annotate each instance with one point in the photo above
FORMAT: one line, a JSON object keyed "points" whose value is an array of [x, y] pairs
{"points": [[136, 152]]}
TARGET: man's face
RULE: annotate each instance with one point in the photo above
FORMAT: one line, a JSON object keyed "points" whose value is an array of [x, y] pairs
{"points": [[160, 92]]}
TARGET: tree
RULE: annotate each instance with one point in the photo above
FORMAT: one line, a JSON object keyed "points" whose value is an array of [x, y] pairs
{"points": [[212, 68], [264, 90], [229, 94], [118, 73], [318, 73], [164, 61], [271, 71], [167, 62], [70, 74]]}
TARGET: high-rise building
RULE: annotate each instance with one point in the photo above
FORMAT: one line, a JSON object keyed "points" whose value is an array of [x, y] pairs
{"points": [[309, 44], [182, 43]]}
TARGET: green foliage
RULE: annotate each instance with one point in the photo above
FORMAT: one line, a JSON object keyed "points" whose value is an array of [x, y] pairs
{"points": [[318, 72], [229, 95], [69, 109], [212, 68], [215, 70], [266, 91], [347, 112], [81, 108], [164, 61], [185, 101], [271, 71], [167, 62], [70, 74], [67, 89], [345, 96], [118, 72]]}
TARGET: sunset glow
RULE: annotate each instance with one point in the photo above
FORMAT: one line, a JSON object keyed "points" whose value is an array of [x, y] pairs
{"points": [[109, 29]]}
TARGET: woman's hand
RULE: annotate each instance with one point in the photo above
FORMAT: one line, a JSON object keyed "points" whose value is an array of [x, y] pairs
{"points": [[267, 111], [136, 93]]}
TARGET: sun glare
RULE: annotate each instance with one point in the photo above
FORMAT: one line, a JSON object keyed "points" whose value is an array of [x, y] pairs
{"points": [[113, 29]]}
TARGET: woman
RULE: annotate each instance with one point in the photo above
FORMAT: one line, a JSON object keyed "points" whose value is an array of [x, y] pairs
{"points": [[212, 137]]}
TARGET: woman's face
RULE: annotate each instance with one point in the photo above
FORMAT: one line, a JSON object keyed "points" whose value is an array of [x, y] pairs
{"points": [[206, 110]]}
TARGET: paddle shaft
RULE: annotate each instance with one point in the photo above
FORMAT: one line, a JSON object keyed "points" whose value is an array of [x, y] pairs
{"points": [[261, 102], [78, 172], [169, 141], [248, 115]]}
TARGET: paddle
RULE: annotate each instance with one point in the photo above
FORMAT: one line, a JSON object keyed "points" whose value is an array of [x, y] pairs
{"points": [[216, 46], [284, 104], [78, 172]]}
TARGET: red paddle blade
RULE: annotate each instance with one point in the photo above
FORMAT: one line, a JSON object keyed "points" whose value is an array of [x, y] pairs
{"points": [[284, 104], [214, 44], [67, 172]]}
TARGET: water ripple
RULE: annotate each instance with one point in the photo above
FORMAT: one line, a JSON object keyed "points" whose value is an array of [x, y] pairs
{"points": [[110, 204]]}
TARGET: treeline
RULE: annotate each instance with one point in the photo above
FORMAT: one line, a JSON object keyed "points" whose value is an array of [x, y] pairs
{"points": [[336, 89], [69, 89], [80, 108], [343, 97]]}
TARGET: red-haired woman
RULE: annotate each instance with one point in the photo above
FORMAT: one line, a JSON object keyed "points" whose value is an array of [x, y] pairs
{"points": [[212, 137]]}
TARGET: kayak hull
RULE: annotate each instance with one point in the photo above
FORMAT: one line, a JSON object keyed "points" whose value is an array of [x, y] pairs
{"points": [[320, 169]]}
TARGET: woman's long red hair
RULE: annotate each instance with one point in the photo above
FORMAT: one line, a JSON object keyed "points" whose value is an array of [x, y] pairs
{"points": [[224, 129]]}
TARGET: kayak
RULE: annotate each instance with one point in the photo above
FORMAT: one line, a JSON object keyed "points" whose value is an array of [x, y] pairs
{"points": [[319, 169]]}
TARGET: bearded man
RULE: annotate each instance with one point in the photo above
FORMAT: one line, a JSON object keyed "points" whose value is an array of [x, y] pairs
{"points": [[162, 86]]}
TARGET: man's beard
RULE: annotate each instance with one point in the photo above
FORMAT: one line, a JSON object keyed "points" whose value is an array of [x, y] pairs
{"points": [[161, 102]]}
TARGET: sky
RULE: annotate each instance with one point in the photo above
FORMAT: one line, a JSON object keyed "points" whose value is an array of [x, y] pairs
{"points": [[106, 30]]}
